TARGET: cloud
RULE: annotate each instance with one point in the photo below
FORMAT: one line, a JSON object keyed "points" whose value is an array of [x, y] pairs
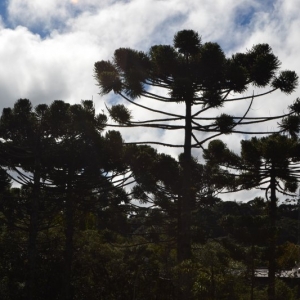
{"points": [[36, 13], [43, 16], [45, 70], [60, 64]]}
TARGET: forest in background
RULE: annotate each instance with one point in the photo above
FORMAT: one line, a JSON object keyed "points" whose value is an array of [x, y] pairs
{"points": [[90, 216]]}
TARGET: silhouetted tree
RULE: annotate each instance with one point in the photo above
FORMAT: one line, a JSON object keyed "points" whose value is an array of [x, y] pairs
{"points": [[270, 163], [64, 164], [199, 76]]}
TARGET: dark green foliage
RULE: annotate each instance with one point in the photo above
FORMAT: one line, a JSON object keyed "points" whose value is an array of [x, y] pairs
{"points": [[277, 150], [61, 159], [120, 114], [287, 82], [211, 66], [257, 155], [189, 68], [113, 266], [237, 75], [268, 161], [107, 76], [262, 64], [291, 124], [182, 89], [187, 42], [164, 60], [225, 123], [134, 67], [217, 152], [212, 99], [295, 107]]}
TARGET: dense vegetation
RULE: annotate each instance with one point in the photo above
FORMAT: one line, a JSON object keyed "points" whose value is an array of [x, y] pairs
{"points": [[85, 215]]}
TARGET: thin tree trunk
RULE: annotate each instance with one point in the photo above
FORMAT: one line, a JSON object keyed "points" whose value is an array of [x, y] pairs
{"points": [[69, 232], [33, 232], [213, 284], [184, 229], [184, 242], [252, 270], [179, 209], [272, 240]]}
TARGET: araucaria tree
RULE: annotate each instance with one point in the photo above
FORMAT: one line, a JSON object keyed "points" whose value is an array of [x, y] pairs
{"points": [[66, 168], [200, 77], [270, 163]]}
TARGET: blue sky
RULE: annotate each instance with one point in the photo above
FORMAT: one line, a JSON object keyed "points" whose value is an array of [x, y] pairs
{"points": [[3, 11], [48, 48]]}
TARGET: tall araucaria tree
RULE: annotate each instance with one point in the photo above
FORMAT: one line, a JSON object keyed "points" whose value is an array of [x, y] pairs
{"points": [[64, 165], [270, 163], [200, 77], [24, 142], [85, 163]]}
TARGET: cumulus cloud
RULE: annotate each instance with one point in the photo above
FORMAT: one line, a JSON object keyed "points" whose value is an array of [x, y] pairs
{"points": [[45, 70], [42, 16]]}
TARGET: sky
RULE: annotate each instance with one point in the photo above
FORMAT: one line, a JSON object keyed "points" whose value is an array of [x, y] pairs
{"points": [[48, 48]]}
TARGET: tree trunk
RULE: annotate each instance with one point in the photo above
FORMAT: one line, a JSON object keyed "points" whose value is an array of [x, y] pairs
{"points": [[252, 270], [69, 232], [184, 235], [272, 240], [33, 232], [184, 229]]}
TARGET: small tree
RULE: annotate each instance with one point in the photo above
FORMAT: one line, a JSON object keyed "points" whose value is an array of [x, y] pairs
{"points": [[269, 163]]}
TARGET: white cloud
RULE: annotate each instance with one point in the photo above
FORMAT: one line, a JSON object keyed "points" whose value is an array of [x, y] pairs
{"points": [[44, 15], [45, 70], [37, 13]]}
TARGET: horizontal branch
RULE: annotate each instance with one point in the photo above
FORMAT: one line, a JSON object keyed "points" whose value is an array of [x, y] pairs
{"points": [[147, 108], [154, 143]]}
